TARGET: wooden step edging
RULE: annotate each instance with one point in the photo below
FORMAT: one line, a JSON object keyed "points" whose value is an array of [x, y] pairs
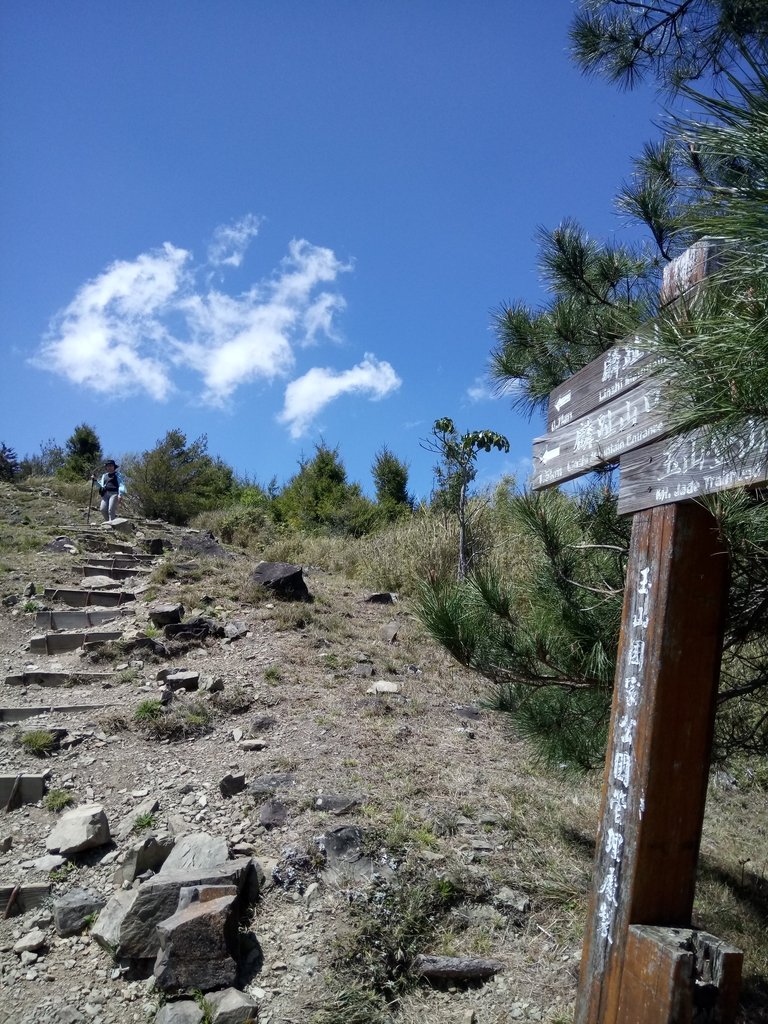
{"points": [[53, 620], [39, 677], [57, 643], [16, 899], [21, 714], [22, 788], [85, 598]]}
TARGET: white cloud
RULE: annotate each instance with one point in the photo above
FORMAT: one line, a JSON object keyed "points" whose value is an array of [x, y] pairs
{"points": [[111, 336], [484, 390], [478, 390], [307, 395], [230, 241], [141, 323]]}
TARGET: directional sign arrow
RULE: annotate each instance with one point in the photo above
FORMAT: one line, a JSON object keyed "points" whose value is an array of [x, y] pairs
{"points": [[549, 454], [630, 421], [563, 400]]}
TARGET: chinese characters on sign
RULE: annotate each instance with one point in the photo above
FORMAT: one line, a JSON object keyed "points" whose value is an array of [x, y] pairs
{"points": [[692, 465], [601, 436], [620, 777]]}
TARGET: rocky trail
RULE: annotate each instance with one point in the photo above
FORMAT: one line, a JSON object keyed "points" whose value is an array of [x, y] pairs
{"points": [[218, 804]]}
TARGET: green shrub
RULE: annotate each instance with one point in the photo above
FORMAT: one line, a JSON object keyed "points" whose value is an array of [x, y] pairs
{"points": [[57, 799], [39, 742]]}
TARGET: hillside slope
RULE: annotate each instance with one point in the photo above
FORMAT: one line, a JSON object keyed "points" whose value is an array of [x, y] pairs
{"points": [[469, 850]]}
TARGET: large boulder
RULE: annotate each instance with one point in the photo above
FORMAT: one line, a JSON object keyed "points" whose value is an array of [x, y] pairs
{"points": [[198, 946], [82, 828], [195, 852], [73, 911], [158, 899], [185, 1011], [106, 930], [287, 581], [147, 855]]}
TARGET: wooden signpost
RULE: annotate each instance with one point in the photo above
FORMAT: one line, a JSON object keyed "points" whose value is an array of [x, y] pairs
{"points": [[667, 671]]}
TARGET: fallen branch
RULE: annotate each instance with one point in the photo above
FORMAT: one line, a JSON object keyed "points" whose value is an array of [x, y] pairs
{"points": [[455, 968]]}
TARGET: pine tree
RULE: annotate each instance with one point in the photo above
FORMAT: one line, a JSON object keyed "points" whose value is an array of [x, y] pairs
{"points": [[673, 43], [177, 479], [82, 453], [9, 463], [547, 638], [390, 478]]}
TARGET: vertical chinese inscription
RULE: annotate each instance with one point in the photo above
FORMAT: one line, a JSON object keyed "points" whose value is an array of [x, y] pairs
{"points": [[620, 800]]}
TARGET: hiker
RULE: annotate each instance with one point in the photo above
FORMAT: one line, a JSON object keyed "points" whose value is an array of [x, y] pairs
{"points": [[111, 490]]}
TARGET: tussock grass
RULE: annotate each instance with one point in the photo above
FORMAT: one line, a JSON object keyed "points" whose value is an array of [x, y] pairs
{"points": [[57, 799], [39, 742]]}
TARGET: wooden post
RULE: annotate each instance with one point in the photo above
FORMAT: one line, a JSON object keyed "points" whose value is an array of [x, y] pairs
{"points": [[657, 763], [678, 976]]}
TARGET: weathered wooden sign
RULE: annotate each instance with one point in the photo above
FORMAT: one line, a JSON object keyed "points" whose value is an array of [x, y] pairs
{"points": [[610, 375], [615, 427], [693, 465], [665, 690]]}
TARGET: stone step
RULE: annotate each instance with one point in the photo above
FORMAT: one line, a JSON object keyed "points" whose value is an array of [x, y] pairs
{"points": [[57, 643], [129, 560], [16, 899], [113, 574], [21, 789], [21, 714], [84, 598], [40, 677], [76, 620]]}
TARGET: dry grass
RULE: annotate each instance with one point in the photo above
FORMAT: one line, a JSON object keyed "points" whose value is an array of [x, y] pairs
{"points": [[448, 800]]}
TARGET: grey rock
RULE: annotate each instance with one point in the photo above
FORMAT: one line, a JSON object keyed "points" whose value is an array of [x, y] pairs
{"points": [[235, 630], [182, 1012], [31, 942], [273, 814], [68, 1015], [231, 1006], [232, 784], [389, 632], [364, 669], [256, 744], [148, 855], [158, 898], [49, 862], [287, 581], [198, 947], [165, 614], [71, 911], [267, 784], [198, 851], [82, 828], [261, 723], [203, 544], [211, 684], [148, 806], [346, 860], [30, 590], [183, 680], [189, 894], [106, 930], [336, 804]]}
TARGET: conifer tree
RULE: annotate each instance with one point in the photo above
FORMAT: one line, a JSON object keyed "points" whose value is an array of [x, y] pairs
{"points": [[547, 639]]}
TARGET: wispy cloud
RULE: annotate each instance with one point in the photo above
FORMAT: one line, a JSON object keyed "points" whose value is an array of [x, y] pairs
{"points": [[307, 395], [230, 241], [140, 324], [482, 389]]}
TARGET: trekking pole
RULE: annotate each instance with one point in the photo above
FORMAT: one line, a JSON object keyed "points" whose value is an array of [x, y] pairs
{"points": [[90, 502]]}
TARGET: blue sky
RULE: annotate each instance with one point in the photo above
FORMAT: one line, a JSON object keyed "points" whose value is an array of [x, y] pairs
{"points": [[283, 221]]}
